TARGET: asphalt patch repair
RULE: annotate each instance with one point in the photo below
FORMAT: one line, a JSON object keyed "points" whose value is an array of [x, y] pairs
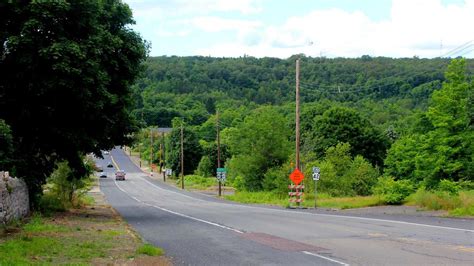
{"points": [[280, 243]]}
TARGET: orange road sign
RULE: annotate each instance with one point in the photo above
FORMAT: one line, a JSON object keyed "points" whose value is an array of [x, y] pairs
{"points": [[296, 176]]}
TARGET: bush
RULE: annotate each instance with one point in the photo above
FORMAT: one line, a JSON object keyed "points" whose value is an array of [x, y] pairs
{"points": [[205, 167], [67, 187], [391, 191], [276, 179], [50, 203], [449, 186], [362, 176]]}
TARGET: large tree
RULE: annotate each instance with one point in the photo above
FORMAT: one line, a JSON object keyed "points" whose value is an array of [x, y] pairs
{"points": [[444, 147], [67, 67], [257, 144], [342, 124]]}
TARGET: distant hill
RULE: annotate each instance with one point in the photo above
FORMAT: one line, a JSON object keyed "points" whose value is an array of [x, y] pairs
{"points": [[192, 87]]}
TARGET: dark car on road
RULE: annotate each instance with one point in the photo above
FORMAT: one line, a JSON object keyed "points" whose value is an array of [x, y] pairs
{"points": [[103, 175], [110, 165]]}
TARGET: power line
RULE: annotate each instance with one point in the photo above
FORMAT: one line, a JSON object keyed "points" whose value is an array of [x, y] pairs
{"points": [[453, 52]]}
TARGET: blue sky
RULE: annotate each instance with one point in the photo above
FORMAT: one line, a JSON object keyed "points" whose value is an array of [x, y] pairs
{"points": [[281, 28]]}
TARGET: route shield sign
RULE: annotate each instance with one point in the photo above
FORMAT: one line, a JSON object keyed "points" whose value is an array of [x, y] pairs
{"points": [[315, 176], [316, 170], [221, 174], [296, 176]]}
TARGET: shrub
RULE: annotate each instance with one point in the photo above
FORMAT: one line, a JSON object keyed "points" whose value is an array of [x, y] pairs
{"points": [[276, 179], [50, 203], [205, 167], [391, 191], [67, 187], [362, 176], [449, 186]]}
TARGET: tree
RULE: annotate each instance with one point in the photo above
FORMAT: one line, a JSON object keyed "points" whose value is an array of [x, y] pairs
{"points": [[259, 143], [6, 146], [342, 124], [192, 150], [67, 67], [443, 149]]}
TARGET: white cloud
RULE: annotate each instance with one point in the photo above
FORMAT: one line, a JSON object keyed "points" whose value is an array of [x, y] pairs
{"points": [[216, 24], [416, 27], [242, 6]]}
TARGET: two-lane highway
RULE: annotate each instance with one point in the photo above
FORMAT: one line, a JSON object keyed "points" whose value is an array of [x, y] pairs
{"points": [[198, 230]]}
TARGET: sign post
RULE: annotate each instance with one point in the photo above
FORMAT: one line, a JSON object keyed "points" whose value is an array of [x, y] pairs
{"points": [[221, 175], [316, 172]]}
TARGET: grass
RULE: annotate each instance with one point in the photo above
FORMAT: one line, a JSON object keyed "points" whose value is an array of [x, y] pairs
{"points": [[92, 235], [461, 204], [348, 202], [150, 250], [323, 200], [261, 197], [198, 182]]}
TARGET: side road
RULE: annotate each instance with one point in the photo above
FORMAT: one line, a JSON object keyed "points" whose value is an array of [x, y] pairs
{"points": [[94, 234]]}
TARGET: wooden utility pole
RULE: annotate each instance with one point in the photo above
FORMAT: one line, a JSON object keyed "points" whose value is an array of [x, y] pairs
{"points": [[297, 114], [182, 158], [162, 163], [151, 149], [218, 150], [140, 148]]}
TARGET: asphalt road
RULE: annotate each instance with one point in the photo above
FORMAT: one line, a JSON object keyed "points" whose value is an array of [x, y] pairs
{"points": [[195, 229]]}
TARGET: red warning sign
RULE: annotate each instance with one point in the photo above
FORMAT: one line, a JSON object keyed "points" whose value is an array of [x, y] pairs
{"points": [[296, 176]]}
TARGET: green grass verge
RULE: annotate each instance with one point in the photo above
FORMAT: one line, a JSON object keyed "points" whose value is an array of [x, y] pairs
{"points": [[461, 204], [150, 250], [323, 200], [198, 182], [72, 238]]}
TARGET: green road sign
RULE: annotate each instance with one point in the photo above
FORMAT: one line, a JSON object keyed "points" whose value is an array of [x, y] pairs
{"points": [[221, 170]]}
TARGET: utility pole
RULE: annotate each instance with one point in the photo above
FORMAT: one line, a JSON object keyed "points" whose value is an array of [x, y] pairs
{"points": [[151, 150], [218, 150], [140, 148], [140, 153], [297, 114], [182, 158], [161, 152], [162, 163]]}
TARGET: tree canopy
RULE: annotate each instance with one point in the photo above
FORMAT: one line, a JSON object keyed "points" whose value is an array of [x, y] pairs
{"points": [[67, 68]]}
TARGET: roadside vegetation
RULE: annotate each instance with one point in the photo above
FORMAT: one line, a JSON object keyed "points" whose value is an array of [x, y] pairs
{"points": [[73, 227], [410, 143]]}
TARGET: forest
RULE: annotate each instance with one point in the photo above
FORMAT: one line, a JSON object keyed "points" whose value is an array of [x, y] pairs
{"points": [[374, 125]]}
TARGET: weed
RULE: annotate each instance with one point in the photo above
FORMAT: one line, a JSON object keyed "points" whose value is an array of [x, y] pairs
{"points": [[461, 204], [150, 250]]}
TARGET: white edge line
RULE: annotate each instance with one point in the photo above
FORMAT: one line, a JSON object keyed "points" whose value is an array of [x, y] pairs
{"points": [[320, 214], [177, 213], [323, 257], [174, 192]]}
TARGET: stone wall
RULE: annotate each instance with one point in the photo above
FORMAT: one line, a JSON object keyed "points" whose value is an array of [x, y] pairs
{"points": [[14, 201]]}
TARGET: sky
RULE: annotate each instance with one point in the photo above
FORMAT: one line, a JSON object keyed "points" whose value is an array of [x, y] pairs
{"points": [[329, 28]]}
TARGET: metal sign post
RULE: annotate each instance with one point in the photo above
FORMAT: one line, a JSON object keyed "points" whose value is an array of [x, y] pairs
{"points": [[316, 172]]}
